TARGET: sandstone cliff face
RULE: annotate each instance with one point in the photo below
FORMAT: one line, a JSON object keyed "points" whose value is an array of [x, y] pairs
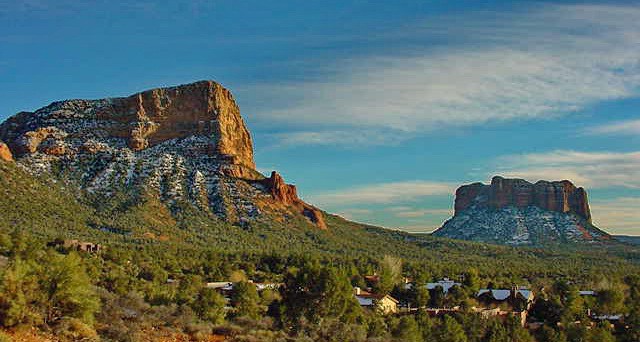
{"points": [[5, 153], [561, 196], [185, 144], [288, 196], [514, 211]]}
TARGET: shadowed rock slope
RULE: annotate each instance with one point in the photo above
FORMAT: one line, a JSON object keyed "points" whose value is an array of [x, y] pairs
{"points": [[517, 212]]}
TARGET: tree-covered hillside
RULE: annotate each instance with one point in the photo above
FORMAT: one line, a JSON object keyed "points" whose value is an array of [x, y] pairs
{"points": [[156, 260]]}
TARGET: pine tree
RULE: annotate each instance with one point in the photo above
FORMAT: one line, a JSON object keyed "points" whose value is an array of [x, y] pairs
{"points": [[19, 294], [496, 332], [601, 333], [209, 305], [68, 291], [245, 300], [450, 331], [390, 275], [407, 330]]}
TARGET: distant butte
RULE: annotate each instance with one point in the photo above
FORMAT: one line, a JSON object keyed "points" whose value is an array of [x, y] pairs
{"points": [[515, 212], [558, 196]]}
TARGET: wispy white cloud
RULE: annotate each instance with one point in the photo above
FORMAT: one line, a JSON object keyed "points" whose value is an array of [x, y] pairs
{"points": [[628, 127], [340, 137], [385, 193], [618, 215], [411, 212], [590, 169], [358, 214], [418, 213], [534, 65]]}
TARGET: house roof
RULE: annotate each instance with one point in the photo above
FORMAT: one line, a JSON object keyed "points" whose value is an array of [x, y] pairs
{"points": [[363, 301], [365, 296], [372, 278], [223, 285], [587, 293], [445, 283], [501, 294], [264, 286]]}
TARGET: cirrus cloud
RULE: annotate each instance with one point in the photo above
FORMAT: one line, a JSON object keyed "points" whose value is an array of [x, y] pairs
{"points": [[385, 193], [537, 64], [620, 214], [628, 127], [590, 169]]}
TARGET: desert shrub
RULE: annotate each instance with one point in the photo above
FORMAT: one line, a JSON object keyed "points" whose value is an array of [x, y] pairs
{"points": [[73, 329]]}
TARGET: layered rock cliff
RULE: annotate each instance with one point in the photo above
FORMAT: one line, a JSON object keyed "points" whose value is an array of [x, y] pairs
{"points": [[515, 211], [184, 144], [561, 196]]}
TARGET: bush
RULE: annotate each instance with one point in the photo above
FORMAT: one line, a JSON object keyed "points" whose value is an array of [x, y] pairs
{"points": [[73, 329]]}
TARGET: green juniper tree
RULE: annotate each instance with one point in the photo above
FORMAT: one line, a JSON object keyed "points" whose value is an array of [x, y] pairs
{"points": [[245, 300], [209, 306], [68, 291]]}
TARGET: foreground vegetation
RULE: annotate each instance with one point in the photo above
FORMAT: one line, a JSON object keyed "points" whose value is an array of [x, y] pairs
{"points": [[149, 282], [137, 295]]}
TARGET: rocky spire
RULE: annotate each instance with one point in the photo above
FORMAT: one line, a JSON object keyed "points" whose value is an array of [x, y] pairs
{"points": [[287, 195]]}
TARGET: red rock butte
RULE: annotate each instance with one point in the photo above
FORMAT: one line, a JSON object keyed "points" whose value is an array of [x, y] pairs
{"points": [[558, 196], [187, 142]]}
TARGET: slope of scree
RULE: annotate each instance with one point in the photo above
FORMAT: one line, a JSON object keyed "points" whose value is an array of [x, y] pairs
{"points": [[184, 145], [517, 212]]}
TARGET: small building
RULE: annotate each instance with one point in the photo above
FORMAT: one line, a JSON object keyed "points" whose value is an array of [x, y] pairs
{"points": [[610, 318], [80, 246], [436, 312], [267, 286], [513, 296], [590, 293], [220, 285], [487, 313], [505, 303], [385, 303], [446, 284]]}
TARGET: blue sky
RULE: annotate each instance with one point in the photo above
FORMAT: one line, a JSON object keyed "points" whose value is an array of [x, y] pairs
{"points": [[375, 110]]}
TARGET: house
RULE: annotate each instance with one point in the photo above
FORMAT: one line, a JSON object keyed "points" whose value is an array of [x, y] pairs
{"points": [[225, 288], [371, 281], [519, 298], [505, 303], [487, 313], [267, 286], [436, 312], [446, 284], [220, 285], [80, 246], [610, 318], [587, 293], [385, 303]]}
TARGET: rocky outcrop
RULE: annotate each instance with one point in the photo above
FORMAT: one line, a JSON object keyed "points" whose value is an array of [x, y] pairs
{"points": [[142, 120], [287, 195], [185, 144], [5, 153], [560, 196], [515, 211]]}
